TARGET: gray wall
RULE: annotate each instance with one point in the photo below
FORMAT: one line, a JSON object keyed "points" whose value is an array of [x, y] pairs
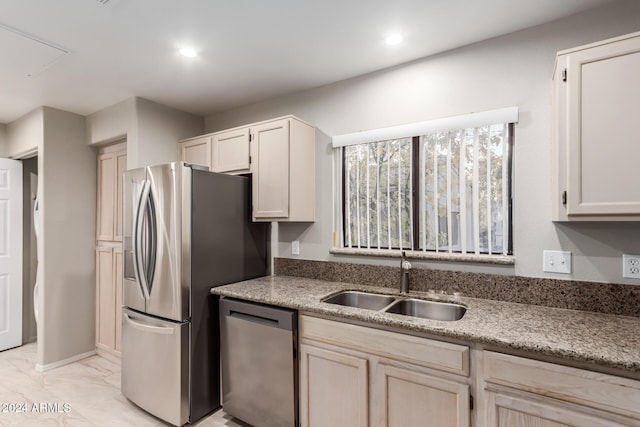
{"points": [[29, 167], [159, 127], [150, 129], [25, 134], [3, 140], [67, 169], [506, 71]]}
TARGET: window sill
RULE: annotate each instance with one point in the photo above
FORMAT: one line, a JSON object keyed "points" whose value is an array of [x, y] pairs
{"points": [[435, 256]]}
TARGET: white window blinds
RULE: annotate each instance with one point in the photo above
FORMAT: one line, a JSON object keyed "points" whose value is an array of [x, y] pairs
{"points": [[431, 189]]}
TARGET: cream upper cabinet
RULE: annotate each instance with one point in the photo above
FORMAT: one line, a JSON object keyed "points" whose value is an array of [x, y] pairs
{"points": [[596, 105], [359, 376], [111, 166], [279, 153], [520, 392], [196, 150], [230, 151], [283, 166]]}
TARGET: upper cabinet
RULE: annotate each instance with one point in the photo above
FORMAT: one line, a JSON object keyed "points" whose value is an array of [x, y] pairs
{"points": [[280, 156], [596, 105], [230, 151], [111, 166], [196, 150], [284, 183]]}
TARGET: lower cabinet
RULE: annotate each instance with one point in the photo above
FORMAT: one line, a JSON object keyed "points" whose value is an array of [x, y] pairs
{"points": [[405, 397], [532, 411], [108, 299], [334, 388], [521, 392], [358, 376]]}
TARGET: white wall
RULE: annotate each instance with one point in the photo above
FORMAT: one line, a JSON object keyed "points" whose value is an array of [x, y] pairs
{"points": [[510, 70], [159, 129], [67, 190]]}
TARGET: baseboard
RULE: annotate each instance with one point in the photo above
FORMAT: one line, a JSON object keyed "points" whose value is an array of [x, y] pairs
{"points": [[48, 366], [110, 355]]}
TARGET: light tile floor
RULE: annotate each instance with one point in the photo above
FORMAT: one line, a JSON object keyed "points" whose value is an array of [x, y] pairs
{"points": [[84, 393]]}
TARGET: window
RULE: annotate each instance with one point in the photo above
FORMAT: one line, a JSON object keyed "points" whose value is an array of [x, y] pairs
{"points": [[438, 190], [378, 195]]}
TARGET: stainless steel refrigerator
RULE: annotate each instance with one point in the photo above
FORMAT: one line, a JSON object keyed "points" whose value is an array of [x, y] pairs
{"points": [[185, 230]]}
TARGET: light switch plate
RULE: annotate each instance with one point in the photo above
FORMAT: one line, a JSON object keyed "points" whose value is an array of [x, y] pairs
{"points": [[295, 247], [556, 262]]}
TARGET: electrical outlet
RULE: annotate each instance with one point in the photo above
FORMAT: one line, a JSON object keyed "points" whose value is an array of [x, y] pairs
{"points": [[631, 266], [556, 262], [295, 247]]}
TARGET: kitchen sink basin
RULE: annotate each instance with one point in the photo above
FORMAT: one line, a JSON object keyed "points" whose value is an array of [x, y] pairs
{"points": [[427, 309], [360, 300]]}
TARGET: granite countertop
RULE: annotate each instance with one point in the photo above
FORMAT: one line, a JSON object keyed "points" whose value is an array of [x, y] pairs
{"points": [[581, 336]]}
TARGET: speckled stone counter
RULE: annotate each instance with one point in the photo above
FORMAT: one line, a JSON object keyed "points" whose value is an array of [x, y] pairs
{"points": [[592, 338]]}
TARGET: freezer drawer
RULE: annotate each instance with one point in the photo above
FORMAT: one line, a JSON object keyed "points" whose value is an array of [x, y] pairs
{"points": [[259, 363], [155, 365]]}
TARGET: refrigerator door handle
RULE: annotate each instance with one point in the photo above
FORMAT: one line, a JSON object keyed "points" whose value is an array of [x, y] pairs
{"points": [[139, 252], [148, 328], [151, 240]]}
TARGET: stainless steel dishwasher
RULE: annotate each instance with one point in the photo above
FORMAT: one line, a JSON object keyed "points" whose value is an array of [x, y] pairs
{"points": [[258, 345]]}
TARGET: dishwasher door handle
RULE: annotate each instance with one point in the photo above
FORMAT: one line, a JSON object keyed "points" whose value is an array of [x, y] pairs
{"points": [[275, 317], [255, 319]]}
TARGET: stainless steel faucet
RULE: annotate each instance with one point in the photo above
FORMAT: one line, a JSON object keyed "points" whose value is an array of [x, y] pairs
{"points": [[405, 266]]}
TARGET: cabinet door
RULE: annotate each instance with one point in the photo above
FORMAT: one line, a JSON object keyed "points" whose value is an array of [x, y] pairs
{"points": [[196, 151], [106, 195], [230, 151], [405, 398], [333, 388], [271, 170], [105, 299], [117, 279], [121, 167], [508, 411], [603, 105]]}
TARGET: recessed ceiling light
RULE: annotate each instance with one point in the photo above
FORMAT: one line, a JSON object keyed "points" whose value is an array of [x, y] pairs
{"points": [[394, 39], [188, 52]]}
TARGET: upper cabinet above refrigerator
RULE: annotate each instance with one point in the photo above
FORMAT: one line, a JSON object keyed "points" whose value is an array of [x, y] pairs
{"points": [[595, 149], [196, 150], [280, 154]]}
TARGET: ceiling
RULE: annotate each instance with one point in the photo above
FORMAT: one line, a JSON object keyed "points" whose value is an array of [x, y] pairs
{"points": [[84, 55]]}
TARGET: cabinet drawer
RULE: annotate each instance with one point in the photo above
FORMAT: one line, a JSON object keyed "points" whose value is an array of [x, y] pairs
{"points": [[607, 392], [420, 351]]}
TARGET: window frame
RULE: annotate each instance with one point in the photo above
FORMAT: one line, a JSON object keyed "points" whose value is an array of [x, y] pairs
{"points": [[504, 257]]}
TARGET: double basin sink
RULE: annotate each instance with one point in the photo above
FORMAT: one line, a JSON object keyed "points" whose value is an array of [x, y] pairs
{"points": [[424, 309]]}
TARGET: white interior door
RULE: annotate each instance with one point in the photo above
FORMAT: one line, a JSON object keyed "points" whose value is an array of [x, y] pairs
{"points": [[10, 253]]}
